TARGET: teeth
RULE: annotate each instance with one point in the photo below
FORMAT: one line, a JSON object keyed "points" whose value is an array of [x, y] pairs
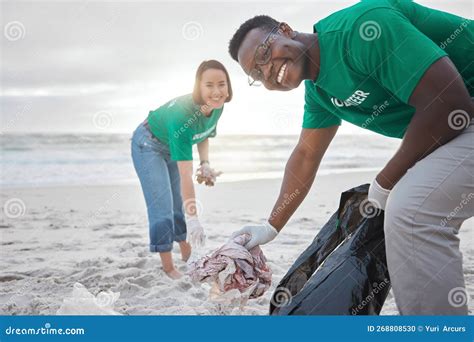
{"points": [[281, 73]]}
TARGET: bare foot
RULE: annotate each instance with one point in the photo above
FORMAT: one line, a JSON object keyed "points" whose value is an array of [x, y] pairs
{"points": [[168, 267], [185, 248], [174, 274]]}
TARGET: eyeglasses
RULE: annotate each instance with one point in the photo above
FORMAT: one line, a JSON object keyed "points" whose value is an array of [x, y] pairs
{"points": [[263, 54]]}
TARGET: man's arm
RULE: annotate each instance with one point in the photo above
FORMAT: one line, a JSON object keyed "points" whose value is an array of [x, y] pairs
{"points": [[300, 172], [440, 99]]}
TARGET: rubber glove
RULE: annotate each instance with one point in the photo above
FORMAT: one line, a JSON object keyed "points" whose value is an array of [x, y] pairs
{"points": [[260, 234]]}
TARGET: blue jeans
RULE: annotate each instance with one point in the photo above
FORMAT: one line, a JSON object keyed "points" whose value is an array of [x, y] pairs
{"points": [[160, 181]]}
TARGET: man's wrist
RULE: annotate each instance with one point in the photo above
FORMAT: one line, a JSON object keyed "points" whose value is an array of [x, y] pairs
{"points": [[269, 223]]}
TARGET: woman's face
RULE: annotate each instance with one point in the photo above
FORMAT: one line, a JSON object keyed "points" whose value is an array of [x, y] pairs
{"points": [[214, 88]]}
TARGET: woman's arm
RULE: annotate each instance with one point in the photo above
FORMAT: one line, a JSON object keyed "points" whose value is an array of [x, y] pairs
{"points": [[195, 231], [187, 187], [203, 149], [443, 109]]}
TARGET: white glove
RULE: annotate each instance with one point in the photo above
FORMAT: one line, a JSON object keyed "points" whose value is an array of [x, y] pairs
{"points": [[378, 195], [260, 234], [195, 232]]}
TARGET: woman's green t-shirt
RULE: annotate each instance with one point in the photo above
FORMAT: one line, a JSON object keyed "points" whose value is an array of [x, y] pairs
{"points": [[180, 124]]}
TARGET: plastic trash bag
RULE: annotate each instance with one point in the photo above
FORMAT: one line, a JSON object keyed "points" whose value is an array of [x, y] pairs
{"points": [[344, 270], [82, 302]]}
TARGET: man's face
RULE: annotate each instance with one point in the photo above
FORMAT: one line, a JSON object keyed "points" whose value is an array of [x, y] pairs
{"points": [[284, 51]]}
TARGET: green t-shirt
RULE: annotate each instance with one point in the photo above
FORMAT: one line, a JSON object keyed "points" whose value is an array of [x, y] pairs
{"points": [[180, 124], [373, 55]]}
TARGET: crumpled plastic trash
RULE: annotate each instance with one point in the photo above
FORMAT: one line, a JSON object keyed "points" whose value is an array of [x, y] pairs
{"points": [[82, 302], [234, 273]]}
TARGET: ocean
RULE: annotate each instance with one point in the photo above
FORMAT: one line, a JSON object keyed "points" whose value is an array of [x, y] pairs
{"points": [[35, 160]]}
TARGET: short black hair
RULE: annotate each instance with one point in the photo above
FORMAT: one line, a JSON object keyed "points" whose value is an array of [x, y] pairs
{"points": [[260, 21], [206, 65]]}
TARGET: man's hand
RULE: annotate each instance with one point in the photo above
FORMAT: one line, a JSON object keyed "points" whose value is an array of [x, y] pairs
{"points": [[378, 195], [195, 232], [260, 234]]}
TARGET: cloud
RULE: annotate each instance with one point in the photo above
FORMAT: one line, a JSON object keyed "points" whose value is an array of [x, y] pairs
{"points": [[79, 57]]}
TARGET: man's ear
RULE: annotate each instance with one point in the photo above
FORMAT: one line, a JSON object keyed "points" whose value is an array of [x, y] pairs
{"points": [[285, 29]]}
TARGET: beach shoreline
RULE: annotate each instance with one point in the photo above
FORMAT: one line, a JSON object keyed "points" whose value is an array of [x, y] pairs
{"points": [[98, 236]]}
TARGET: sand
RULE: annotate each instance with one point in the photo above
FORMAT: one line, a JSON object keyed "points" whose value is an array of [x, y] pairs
{"points": [[98, 236]]}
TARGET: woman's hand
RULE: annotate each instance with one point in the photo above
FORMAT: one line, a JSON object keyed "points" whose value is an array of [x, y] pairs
{"points": [[195, 232], [207, 175]]}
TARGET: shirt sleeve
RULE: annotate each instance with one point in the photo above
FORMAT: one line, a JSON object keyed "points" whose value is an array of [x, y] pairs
{"points": [[384, 44], [314, 115], [213, 133]]}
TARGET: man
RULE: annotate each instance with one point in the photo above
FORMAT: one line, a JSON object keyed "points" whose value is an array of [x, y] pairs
{"points": [[415, 65]]}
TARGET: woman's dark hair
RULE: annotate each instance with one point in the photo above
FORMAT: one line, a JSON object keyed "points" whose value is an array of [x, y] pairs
{"points": [[206, 65]]}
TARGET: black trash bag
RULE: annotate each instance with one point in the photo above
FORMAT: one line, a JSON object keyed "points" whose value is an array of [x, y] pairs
{"points": [[344, 270]]}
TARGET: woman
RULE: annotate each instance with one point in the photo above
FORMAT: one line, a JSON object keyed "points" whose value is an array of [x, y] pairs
{"points": [[163, 160]]}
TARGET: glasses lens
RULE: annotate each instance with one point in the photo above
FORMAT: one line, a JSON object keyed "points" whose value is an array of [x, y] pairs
{"points": [[256, 75], [254, 82], [263, 54]]}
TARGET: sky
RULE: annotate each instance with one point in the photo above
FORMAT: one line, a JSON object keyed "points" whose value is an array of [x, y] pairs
{"points": [[100, 66]]}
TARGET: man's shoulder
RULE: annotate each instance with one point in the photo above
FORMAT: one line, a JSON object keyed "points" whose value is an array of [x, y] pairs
{"points": [[344, 19]]}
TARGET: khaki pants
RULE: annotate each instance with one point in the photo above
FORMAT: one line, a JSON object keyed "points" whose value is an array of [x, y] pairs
{"points": [[423, 215]]}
